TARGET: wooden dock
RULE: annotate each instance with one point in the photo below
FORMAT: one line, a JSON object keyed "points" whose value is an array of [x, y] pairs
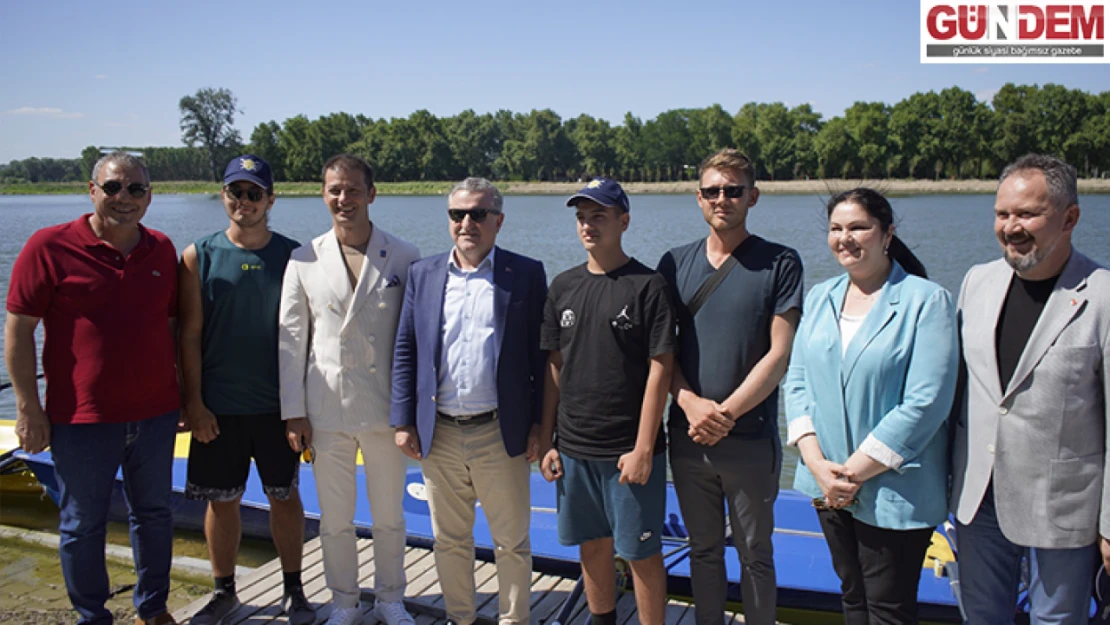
{"points": [[261, 590]]}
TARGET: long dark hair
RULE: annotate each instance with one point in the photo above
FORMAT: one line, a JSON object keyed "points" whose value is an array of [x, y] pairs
{"points": [[878, 207]]}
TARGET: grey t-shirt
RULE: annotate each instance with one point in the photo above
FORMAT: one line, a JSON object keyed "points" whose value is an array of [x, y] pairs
{"points": [[732, 331]]}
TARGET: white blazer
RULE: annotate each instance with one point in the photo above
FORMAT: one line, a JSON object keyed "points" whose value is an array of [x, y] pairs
{"points": [[335, 344]]}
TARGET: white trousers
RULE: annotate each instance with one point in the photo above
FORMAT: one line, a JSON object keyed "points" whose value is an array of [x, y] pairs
{"points": [[469, 464], [336, 488]]}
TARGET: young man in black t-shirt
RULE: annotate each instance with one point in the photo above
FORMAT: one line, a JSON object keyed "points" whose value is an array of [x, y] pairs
{"points": [[609, 328]]}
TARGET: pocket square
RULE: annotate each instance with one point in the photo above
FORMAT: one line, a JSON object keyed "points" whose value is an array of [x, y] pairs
{"points": [[394, 281]]}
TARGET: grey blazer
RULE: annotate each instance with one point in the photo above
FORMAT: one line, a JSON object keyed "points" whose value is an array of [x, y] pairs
{"points": [[1043, 437]]}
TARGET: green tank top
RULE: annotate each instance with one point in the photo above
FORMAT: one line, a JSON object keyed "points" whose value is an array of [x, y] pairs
{"points": [[241, 292]]}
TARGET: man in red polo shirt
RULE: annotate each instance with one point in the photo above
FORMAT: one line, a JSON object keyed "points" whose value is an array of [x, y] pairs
{"points": [[105, 289]]}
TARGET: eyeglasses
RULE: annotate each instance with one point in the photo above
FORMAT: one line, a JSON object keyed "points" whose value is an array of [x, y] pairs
{"points": [[477, 215], [254, 194], [819, 503], [112, 187], [731, 192]]}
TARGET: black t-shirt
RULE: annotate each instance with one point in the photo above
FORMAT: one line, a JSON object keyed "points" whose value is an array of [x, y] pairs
{"points": [[1024, 304], [732, 330], [607, 327]]}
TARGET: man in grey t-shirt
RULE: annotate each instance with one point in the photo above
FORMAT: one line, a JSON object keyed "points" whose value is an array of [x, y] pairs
{"points": [[733, 350]]}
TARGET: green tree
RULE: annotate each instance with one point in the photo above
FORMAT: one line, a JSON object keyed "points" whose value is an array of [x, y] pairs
{"points": [[836, 150], [745, 136], [628, 148], [266, 142], [710, 130], [206, 119], [806, 124], [595, 144], [869, 125]]}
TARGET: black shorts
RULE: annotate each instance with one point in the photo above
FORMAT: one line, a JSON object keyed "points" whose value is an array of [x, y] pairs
{"points": [[218, 470]]}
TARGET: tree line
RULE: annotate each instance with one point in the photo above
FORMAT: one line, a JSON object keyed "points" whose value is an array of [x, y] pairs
{"points": [[950, 134]]}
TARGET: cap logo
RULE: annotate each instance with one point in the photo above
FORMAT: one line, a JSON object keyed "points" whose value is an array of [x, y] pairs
{"points": [[594, 184], [248, 164]]}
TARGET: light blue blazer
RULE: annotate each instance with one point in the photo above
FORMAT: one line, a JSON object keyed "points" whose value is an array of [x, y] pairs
{"points": [[896, 381]]}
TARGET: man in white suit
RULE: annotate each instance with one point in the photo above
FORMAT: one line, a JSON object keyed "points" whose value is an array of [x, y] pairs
{"points": [[340, 301], [1029, 463]]}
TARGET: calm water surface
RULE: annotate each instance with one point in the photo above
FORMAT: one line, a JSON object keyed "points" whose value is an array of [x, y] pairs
{"points": [[948, 232]]}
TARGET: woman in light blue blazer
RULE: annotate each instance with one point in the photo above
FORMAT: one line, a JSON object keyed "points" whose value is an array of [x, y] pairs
{"points": [[871, 380]]}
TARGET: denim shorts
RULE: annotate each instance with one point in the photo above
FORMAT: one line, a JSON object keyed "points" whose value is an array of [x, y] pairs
{"points": [[594, 504]]}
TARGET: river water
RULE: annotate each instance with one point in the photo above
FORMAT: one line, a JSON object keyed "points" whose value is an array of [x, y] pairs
{"points": [[949, 233]]}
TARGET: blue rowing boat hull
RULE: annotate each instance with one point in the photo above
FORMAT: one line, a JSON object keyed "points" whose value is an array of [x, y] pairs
{"points": [[803, 565]]}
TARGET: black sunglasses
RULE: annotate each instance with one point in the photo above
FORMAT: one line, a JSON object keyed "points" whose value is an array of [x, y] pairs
{"points": [[477, 215], [731, 192], [254, 194], [819, 503], [112, 187]]}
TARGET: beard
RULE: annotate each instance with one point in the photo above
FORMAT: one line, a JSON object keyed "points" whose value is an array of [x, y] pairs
{"points": [[1026, 262]]}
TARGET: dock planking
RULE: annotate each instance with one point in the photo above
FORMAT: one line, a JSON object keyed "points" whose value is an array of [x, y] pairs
{"points": [[260, 593]]}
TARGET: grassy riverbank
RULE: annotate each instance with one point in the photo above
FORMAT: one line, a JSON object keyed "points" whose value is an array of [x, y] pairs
{"points": [[790, 187], [33, 591]]}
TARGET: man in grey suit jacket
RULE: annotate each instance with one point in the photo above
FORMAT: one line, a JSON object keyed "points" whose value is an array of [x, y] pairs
{"points": [[1029, 464], [340, 301]]}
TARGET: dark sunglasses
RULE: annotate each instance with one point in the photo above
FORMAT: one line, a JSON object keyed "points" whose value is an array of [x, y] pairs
{"points": [[477, 215], [112, 187], [254, 194], [819, 503], [731, 192]]}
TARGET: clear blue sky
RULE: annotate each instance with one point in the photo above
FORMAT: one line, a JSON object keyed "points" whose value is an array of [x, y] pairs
{"points": [[74, 73]]}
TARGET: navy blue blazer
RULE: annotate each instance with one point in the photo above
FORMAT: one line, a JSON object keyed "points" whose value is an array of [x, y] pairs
{"points": [[520, 290]]}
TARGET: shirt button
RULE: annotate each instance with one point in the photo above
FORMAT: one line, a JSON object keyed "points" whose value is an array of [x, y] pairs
{"points": [[373, 369], [371, 338], [1003, 410], [381, 305], [433, 397], [990, 448]]}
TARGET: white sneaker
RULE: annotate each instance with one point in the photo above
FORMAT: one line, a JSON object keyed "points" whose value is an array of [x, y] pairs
{"points": [[392, 613], [344, 616]]}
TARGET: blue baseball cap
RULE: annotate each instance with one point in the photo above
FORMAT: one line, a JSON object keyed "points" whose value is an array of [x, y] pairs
{"points": [[603, 191], [250, 168]]}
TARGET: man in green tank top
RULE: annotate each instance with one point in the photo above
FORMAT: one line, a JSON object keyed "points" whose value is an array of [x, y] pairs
{"points": [[230, 288]]}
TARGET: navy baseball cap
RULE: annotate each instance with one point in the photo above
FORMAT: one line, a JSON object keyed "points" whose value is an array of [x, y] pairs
{"points": [[603, 191], [250, 168]]}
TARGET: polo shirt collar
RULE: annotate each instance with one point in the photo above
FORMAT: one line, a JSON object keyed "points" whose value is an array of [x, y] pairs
{"points": [[89, 239]]}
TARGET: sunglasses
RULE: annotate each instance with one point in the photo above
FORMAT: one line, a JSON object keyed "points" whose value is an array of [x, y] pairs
{"points": [[819, 503], [254, 194], [112, 187], [477, 215], [732, 192]]}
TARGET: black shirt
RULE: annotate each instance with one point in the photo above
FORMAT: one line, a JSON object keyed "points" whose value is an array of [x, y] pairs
{"points": [[1023, 306], [730, 334], [607, 327]]}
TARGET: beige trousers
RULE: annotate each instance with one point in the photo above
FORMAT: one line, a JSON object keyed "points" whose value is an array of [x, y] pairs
{"points": [[337, 490], [468, 464]]}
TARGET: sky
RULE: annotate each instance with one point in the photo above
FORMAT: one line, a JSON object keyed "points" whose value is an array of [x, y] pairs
{"points": [[74, 73]]}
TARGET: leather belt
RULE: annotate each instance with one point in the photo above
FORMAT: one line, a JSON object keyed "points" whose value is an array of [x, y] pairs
{"points": [[470, 419]]}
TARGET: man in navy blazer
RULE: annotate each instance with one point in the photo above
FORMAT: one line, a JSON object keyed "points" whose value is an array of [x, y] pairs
{"points": [[467, 391]]}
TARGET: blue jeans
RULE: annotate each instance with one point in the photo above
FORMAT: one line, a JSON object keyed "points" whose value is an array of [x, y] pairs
{"points": [[1060, 580], [86, 458]]}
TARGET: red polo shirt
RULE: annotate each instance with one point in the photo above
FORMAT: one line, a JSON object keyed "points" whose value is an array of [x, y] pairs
{"points": [[108, 354]]}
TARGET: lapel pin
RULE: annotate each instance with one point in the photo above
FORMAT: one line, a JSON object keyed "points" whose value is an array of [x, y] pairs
{"points": [[1073, 302]]}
